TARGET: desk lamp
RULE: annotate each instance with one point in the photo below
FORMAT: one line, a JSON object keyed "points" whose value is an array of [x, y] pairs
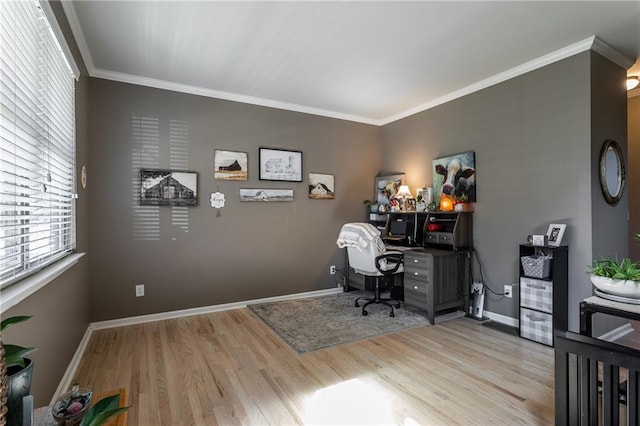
{"points": [[403, 193]]}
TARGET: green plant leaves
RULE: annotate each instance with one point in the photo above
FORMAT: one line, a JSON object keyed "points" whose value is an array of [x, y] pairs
{"points": [[15, 354], [102, 411], [13, 320], [617, 270]]}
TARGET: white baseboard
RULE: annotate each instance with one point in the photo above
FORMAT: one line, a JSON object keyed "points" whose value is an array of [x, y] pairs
{"points": [[502, 319], [65, 382]]}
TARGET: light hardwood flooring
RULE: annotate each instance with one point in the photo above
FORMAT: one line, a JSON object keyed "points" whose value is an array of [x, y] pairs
{"points": [[230, 368]]}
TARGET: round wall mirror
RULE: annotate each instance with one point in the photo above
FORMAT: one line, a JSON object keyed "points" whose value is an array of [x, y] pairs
{"points": [[612, 172]]}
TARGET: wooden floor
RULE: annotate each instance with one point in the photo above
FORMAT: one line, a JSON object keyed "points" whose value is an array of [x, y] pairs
{"points": [[229, 368]]}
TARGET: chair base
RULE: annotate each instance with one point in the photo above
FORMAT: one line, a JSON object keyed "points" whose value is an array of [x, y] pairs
{"points": [[379, 300]]}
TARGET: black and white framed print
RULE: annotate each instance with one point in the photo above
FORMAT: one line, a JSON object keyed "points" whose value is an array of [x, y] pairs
{"points": [[167, 187], [280, 164]]}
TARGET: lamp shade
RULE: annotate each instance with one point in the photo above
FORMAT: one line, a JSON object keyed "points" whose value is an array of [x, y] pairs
{"points": [[404, 192], [632, 82]]}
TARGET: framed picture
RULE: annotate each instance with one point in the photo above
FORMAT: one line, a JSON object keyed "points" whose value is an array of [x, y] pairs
{"points": [[280, 164], [321, 186], [229, 165], [266, 194], [386, 188], [167, 187], [455, 175], [555, 234]]}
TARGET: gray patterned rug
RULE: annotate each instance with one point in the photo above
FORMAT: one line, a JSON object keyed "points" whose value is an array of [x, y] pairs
{"points": [[318, 322]]}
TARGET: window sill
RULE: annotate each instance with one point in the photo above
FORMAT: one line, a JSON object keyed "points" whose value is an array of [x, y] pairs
{"points": [[25, 288]]}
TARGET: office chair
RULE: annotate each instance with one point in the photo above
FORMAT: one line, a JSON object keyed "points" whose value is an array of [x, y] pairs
{"points": [[367, 256]]}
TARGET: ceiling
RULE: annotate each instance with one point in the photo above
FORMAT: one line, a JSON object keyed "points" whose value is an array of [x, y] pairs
{"points": [[370, 62]]}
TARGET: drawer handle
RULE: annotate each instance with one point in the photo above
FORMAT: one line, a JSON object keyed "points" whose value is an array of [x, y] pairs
{"points": [[415, 260], [415, 287], [534, 318], [416, 274], [537, 287]]}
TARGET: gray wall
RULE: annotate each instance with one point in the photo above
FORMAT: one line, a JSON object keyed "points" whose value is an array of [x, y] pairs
{"points": [[189, 257], [532, 137], [61, 309], [610, 224], [633, 181]]}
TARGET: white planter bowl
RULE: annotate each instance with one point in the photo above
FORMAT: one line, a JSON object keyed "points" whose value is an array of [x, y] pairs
{"points": [[630, 289]]}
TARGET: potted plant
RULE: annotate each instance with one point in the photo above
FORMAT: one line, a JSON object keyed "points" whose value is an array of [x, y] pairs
{"points": [[619, 278], [371, 205], [19, 373]]}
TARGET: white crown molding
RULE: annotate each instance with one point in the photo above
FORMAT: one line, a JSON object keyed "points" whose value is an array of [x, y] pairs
{"points": [[195, 90], [558, 55], [76, 29], [611, 54]]}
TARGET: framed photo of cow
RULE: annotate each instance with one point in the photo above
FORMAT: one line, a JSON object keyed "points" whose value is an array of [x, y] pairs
{"points": [[455, 175], [386, 188], [280, 164]]}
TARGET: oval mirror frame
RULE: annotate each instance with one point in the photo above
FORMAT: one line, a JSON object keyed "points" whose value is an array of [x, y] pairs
{"points": [[612, 195]]}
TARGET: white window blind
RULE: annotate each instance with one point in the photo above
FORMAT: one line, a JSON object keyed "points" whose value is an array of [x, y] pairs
{"points": [[37, 144]]}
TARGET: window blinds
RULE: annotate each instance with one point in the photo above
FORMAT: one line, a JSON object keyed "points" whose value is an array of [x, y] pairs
{"points": [[37, 144]]}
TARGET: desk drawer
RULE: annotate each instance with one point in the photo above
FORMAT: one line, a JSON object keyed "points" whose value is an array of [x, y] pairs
{"points": [[536, 294], [536, 326], [445, 238], [414, 298], [415, 286], [418, 265]]}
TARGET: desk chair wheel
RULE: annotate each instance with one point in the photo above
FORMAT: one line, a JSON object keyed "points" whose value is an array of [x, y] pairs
{"points": [[365, 313], [398, 305], [391, 314]]}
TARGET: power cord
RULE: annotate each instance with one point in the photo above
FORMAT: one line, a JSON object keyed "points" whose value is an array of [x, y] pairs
{"points": [[481, 268]]}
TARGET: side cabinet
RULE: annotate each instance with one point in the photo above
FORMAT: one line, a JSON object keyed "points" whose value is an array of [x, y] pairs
{"points": [[436, 280], [544, 298]]}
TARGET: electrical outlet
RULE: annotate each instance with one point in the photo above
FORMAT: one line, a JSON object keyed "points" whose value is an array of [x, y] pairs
{"points": [[508, 291], [332, 270], [140, 290]]}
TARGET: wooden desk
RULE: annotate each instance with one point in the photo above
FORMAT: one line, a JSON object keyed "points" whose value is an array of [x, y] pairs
{"points": [[42, 416], [595, 304]]}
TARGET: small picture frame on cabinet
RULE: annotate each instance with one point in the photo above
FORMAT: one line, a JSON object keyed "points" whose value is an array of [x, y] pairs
{"points": [[555, 234]]}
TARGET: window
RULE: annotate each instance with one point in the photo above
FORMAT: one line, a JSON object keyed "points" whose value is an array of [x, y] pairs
{"points": [[37, 144]]}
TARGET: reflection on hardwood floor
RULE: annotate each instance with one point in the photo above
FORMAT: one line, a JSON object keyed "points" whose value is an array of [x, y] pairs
{"points": [[229, 368]]}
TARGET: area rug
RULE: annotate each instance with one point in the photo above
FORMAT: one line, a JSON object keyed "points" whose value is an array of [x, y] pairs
{"points": [[315, 323]]}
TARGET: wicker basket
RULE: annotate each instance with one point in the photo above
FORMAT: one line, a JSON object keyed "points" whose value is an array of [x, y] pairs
{"points": [[536, 266]]}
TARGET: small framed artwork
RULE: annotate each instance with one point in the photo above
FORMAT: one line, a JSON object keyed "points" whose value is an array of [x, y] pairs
{"points": [[229, 165], [321, 186], [555, 234], [266, 194], [167, 187], [280, 164], [386, 188]]}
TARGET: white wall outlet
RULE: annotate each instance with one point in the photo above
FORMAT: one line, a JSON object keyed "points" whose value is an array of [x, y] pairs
{"points": [[332, 270], [508, 291], [140, 290]]}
